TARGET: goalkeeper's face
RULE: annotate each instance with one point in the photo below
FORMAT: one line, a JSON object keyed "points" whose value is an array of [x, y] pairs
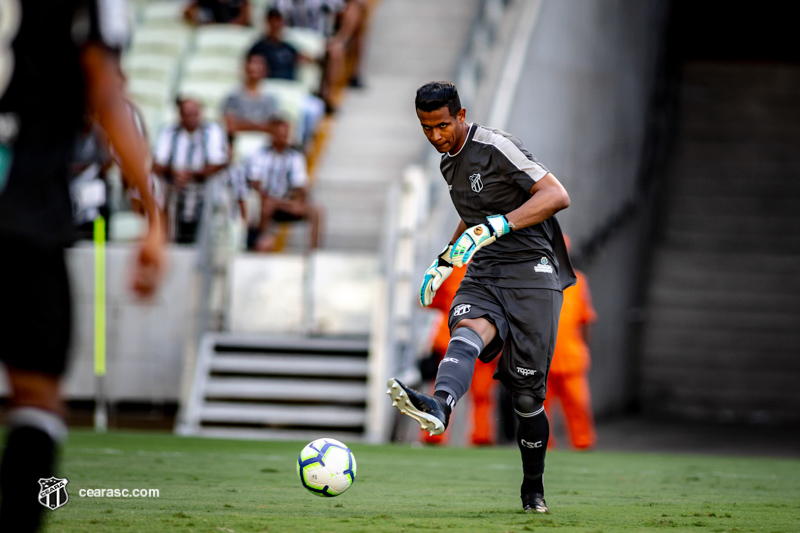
{"points": [[444, 131]]}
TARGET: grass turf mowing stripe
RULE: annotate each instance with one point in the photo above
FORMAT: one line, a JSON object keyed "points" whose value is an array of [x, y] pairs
{"points": [[209, 485]]}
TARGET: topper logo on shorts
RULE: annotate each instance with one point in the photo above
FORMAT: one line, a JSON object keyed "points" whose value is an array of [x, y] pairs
{"points": [[461, 309], [476, 183], [525, 371]]}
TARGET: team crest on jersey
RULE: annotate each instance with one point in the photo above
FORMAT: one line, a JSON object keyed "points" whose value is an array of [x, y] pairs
{"points": [[461, 309], [476, 183]]}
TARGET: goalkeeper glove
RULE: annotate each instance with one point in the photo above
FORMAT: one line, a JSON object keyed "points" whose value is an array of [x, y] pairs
{"points": [[439, 270], [477, 237]]}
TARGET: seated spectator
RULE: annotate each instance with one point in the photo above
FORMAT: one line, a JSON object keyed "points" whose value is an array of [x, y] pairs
{"points": [[282, 58], [199, 12], [89, 165], [342, 23], [280, 174], [248, 108], [186, 155]]}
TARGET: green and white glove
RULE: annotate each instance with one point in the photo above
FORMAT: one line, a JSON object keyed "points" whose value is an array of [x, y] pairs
{"points": [[476, 237], [439, 270]]}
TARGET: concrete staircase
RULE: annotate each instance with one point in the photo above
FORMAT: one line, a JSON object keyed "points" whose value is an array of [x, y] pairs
{"points": [[722, 333]]}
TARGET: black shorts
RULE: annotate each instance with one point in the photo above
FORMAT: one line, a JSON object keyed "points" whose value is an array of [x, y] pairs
{"points": [[34, 290], [526, 322]]}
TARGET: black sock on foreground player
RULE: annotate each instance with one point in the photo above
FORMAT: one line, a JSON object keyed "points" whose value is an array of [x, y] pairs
{"points": [[33, 439], [455, 371], [532, 436]]}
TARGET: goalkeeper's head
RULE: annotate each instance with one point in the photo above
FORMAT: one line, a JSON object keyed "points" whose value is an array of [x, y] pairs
{"points": [[441, 116]]}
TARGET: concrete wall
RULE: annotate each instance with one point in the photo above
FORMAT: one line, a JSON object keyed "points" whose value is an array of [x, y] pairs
{"points": [[580, 108], [145, 340]]}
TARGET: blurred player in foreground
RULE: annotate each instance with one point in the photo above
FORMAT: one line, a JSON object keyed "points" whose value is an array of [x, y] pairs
{"points": [[56, 57], [568, 381], [510, 298]]}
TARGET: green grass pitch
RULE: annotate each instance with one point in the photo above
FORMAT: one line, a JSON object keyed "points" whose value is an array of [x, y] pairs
{"points": [[209, 485]]}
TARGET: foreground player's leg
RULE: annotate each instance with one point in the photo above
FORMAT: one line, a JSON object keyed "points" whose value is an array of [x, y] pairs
{"points": [[532, 436], [34, 434], [452, 382]]}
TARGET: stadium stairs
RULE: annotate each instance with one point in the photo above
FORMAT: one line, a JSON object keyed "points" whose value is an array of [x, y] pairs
{"points": [[260, 379], [723, 305]]}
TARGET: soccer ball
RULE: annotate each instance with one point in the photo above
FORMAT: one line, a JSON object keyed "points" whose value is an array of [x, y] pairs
{"points": [[326, 467]]}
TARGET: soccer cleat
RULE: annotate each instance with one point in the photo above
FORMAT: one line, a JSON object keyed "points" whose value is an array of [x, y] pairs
{"points": [[427, 410], [533, 502]]}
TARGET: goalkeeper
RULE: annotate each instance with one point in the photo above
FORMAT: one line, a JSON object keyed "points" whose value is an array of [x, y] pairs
{"points": [[510, 299]]}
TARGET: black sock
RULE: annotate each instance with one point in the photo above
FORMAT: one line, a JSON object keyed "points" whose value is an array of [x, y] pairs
{"points": [[448, 401], [455, 371], [29, 455], [532, 436]]}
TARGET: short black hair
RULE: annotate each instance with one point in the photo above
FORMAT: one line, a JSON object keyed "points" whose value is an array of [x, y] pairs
{"points": [[273, 13], [436, 95]]}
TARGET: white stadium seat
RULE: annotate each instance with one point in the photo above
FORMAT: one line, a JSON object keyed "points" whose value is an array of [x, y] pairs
{"points": [[224, 40], [150, 92], [203, 67], [162, 13], [162, 41]]}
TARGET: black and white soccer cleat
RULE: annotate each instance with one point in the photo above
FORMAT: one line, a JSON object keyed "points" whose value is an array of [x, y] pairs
{"points": [[429, 411], [533, 502]]}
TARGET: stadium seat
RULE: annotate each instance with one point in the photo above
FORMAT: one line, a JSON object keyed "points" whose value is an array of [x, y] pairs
{"points": [[161, 41], [150, 92], [219, 68], [162, 14], [153, 120], [210, 92], [224, 40], [246, 143], [291, 96], [308, 42], [156, 67]]}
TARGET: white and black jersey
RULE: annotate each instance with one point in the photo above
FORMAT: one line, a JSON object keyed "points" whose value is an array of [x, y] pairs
{"points": [[493, 174], [42, 105], [277, 173]]}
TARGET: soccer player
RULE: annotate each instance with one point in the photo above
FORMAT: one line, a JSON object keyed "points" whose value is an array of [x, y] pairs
{"points": [[56, 57], [511, 296]]}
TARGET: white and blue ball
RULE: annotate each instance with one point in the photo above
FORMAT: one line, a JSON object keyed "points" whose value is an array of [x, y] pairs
{"points": [[326, 467]]}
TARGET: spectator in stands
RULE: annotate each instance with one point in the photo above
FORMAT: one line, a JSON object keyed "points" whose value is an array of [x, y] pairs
{"points": [[248, 108], [282, 58], [568, 381], [341, 23], [280, 174], [199, 12], [187, 154]]}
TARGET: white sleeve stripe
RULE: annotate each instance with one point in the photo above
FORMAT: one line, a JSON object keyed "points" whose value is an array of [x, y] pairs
{"points": [[511, 152], [113, 24]]}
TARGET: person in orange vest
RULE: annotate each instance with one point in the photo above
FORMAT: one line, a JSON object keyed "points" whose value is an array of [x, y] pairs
{"points": [[568, 380], [484, 387]]}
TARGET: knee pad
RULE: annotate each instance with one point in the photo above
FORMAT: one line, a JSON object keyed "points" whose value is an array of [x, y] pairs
{"points": [[525, 405]]}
